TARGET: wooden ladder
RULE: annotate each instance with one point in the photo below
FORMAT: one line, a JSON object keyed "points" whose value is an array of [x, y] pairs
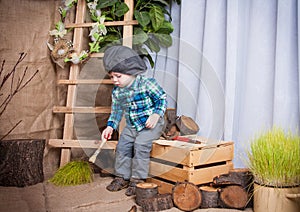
{"points": [[68, 141]]}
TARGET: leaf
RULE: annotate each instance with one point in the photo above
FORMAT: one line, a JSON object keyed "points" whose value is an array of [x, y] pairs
{"points": [[166, 28], [142, 17], [166, 12], [165, 3], [157, 17], [139, 36], [150, 60], [137, 3], [152, 45], [143, 51], [106, 3], [164, 39], [121, 9], [111, 38]]}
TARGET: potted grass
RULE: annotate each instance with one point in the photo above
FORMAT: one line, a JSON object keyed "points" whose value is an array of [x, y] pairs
{"points": [[274, 160]]}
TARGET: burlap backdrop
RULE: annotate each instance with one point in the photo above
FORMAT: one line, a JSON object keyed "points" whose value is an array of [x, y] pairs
{"points": [[25, 26]]}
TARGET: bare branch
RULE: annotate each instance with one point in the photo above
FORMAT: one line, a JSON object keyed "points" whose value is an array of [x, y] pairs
{"points": [[21, 87], [4, 104], [10, 130], [2, 66], [14, 87]]}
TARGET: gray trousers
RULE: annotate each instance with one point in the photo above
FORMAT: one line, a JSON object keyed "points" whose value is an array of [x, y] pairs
{"points": [[133, 151]]}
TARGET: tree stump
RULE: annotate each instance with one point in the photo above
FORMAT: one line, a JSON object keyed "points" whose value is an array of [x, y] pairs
{"points": [[21, 162], [187, 125], [233, 196], [210, 197], [145, 191], [157, 203], [186, 196]]}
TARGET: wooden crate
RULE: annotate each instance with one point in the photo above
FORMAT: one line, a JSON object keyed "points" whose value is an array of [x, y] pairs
{"points": [[195, 163]]}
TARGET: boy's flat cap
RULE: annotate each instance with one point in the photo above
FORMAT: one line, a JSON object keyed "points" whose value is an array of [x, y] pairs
{"points": [[123, 60]]}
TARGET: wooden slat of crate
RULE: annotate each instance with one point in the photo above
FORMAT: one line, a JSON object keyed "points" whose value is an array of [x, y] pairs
{"points": [[213, 153], [196, 176], [223, 152]]}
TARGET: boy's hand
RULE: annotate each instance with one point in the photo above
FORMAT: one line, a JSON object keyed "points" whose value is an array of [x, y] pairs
{"points": [[152, 120], [106, 134]]}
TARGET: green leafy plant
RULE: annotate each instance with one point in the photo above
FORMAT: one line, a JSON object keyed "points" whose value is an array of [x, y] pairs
{"points": [[274, 158], [153, 29], [73, 173], [150, 35]]}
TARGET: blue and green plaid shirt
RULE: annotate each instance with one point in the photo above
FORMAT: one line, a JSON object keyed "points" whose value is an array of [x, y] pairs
{"points": [[143, 98]]}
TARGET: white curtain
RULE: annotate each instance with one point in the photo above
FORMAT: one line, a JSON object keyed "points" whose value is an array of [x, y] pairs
{"points": [[234, 67]]}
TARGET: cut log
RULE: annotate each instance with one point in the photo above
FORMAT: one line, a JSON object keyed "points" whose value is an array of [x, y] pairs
{"points": [[233, 196], [157, 203], [145, 191], [187, 125], [170, 129], [210, 197], [172, 133], [186, 196], [21, 162], [170, 116], [242, 177]]}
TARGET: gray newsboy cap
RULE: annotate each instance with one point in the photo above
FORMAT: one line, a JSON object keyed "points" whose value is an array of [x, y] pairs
{"points": [[123, 60]]}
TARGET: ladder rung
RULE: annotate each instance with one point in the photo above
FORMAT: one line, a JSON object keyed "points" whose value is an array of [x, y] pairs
{"points": [[85, 81], [63, 109], [108, 23], [70, 143], [97, 55]]}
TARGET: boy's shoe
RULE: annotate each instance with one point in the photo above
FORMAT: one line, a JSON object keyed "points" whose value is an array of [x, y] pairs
{"points": [[117, 184], [130, 191]]}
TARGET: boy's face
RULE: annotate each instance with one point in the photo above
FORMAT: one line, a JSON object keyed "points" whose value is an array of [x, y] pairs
{"points": [[121, 80]]}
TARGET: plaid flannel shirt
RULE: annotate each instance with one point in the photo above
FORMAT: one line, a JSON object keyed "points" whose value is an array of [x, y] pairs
{"points": [[143, 98]]}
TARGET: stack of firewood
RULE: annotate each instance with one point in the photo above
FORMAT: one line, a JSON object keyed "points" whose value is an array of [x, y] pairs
{"points": [[149, 199], [232, 190]]}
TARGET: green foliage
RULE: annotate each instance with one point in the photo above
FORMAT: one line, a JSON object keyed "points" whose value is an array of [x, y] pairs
{"points": [[153, 29], [106, 3], [73, 173], [150, 34], [155, 21], [275, 157]]}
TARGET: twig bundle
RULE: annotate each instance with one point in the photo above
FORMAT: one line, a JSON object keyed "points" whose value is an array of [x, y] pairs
{"points": [[73, 173]]}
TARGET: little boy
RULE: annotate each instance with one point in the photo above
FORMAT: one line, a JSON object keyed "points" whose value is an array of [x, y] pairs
{"points": [[143, 102]]}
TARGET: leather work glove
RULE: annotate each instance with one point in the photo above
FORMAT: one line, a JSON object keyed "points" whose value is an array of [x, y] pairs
{"points": [[152, 120]]}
